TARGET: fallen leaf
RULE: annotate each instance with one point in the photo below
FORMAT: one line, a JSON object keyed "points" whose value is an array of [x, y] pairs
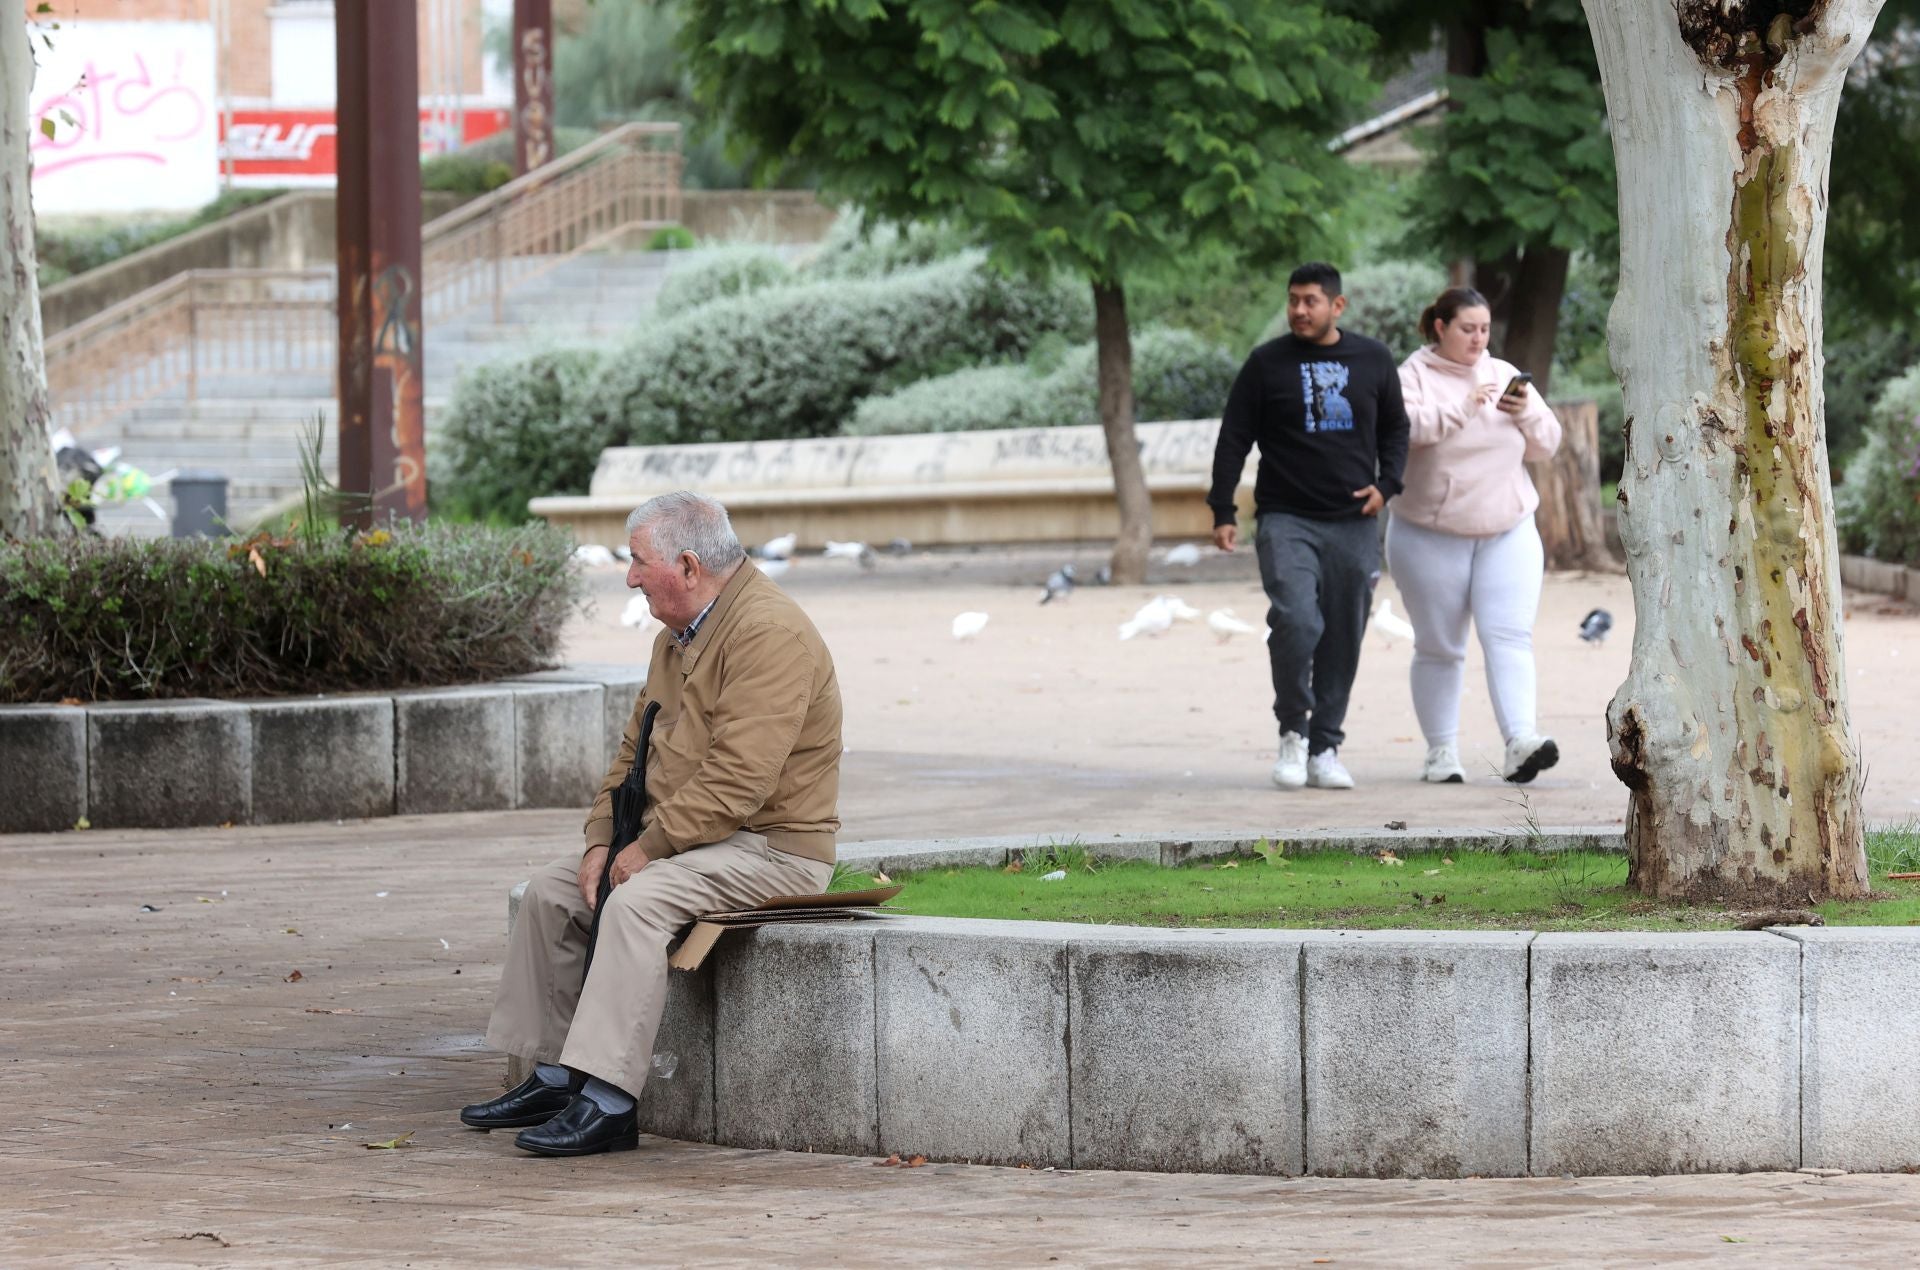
{"points": [[890, 1162], [391, 1144], [71, 701], [1446, 859], [83, 823], [881, 878], [916, 1162], [1730, 1239], [1430, 873], [292, 931], [1227, 864], [259, 563], [1388, 857], [204, 899], [295, 977], [1396, 824], [206, 1234], [312, 1009]]}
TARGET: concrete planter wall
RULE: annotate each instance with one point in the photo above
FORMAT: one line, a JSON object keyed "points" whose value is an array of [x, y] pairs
{"points": [[1351, 1054], [544, 740]]}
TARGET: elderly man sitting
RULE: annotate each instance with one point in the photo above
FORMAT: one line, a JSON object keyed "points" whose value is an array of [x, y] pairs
{"points": [[742, 774]]}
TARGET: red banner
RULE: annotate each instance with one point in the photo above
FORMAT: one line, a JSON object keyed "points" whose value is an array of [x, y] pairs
{"points": [[270, 147]]}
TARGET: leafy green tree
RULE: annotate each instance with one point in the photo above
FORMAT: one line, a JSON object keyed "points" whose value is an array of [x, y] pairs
{"points": [[1873, 224], [1105, 138], [1521, 173]]}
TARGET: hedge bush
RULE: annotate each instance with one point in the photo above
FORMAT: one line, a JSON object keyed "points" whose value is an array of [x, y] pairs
{"points": [[1878, 502], [793, 361], [1176, 375], [517, 430], [718, 273], [1383, 301], [855, 249], [113, 618]]}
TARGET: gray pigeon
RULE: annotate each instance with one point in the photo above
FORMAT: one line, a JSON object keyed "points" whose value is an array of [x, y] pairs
{"points": [[1059, 585], [1595, 625]]}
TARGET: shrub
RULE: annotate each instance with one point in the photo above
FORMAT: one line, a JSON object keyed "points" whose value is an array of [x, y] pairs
{"points": [[1384, 301], [670, 238], [463, 172], [115, 618], [64, 253], [855, 249], [517, 430], [1176, 375], [1878, 503], [791, 362], [718, 273]]}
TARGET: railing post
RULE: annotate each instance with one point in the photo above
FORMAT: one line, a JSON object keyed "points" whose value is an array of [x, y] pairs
{"points": [[499, 264], [193, 338]]}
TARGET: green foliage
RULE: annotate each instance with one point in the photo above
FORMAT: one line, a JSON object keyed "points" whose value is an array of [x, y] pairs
{"points": [[1862, 359], [1523, 158], [66, 253], [670, 238], [463, 172], [117, 618], [793, 361], [1094, 138], [1877, 504], [1384, 301], [1582, 367], [517, 430], [720, 272], [1176, 375], [858, 247], [1873, 221]]}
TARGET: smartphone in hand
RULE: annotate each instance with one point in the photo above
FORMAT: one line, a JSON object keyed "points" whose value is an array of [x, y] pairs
{"points": [[1516, 387]]}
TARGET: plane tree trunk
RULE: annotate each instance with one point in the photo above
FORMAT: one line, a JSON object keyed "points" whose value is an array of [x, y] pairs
{"points": [[1114, 347], [1731, 730], [29, 506]]}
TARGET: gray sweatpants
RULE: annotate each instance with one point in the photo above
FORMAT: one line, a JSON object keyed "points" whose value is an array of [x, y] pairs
{"points": [[1319, 577]]}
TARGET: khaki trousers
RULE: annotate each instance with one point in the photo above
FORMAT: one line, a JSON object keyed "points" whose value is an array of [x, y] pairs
{"points": [[606, 1027]]}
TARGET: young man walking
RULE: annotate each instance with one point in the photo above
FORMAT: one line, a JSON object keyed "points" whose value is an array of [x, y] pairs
{"points": [[1324, 408]]}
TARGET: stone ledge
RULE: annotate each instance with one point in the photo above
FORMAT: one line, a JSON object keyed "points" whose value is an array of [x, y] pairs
{"points": [[1389, 1054], [543, 740]]}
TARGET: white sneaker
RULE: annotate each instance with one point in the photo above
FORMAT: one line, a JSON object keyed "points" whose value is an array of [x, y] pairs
{"points": [[1325, 771], [1528, 756], [1290, 772], [1443, 766]]}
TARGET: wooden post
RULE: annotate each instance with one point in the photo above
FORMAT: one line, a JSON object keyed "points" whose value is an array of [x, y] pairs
{"points": [[1569, 520]]}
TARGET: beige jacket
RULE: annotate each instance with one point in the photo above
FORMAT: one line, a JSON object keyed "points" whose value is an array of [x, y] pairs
{"points": [[1466, 469], [748, 734]]}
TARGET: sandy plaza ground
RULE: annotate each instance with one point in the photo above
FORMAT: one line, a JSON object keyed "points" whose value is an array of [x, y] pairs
{"points": [[181, 1096]]}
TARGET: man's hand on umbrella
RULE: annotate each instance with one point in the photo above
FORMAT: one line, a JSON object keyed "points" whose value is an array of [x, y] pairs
{"points": [[592, 865], [629, 862]]}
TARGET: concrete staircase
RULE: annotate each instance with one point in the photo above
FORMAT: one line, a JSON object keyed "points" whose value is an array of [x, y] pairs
{"points": [[249, 428]]}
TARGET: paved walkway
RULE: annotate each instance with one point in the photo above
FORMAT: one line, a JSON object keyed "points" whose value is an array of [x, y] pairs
{"points": [[181, 1097]]}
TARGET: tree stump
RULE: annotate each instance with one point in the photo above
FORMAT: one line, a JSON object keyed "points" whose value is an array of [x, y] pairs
{"points": [[1569, 520]]}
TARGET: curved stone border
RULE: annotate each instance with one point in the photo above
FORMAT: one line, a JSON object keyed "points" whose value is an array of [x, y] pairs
{"points": [[1337, 1053], [541, 740]]}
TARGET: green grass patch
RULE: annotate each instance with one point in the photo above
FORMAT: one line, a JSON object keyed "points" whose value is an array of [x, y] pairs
{"points": [[1567, 891]]}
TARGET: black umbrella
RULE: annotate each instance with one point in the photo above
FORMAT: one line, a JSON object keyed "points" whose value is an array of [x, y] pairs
{"points": [[629, 805]]}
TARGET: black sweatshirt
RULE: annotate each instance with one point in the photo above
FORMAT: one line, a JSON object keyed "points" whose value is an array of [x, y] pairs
{"points": [[1328, 420]]}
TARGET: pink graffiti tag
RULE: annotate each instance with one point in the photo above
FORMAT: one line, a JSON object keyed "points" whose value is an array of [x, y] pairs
{"points": [[98, 115]]}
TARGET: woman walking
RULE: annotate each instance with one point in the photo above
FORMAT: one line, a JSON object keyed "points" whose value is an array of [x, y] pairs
{"points": [[1461, 544]]}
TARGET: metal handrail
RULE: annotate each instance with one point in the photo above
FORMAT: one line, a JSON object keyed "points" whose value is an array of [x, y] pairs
{"points": [[255, 322]]}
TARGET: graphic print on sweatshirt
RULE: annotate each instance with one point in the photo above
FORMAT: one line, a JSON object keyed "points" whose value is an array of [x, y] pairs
{"points": [[1323, 387]]}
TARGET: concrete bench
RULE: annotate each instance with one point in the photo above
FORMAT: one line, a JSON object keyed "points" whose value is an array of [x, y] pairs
{"points": [[933, 489]]}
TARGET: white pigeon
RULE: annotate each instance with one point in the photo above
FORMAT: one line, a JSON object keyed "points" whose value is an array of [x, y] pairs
{"points": [[592, 553], [859, 551], [779, 548], [636, 613], [1225, 625], [1178, 607], [774, 568], [1185, 556], [969, 624], [1391, 624], [1153, 618]]}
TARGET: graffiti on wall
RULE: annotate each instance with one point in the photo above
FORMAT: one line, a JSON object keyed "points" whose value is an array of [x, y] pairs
{"points": [[124, 118]]}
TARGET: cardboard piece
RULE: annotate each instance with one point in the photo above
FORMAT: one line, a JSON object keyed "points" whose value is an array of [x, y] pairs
{"points": [[842, 906]]}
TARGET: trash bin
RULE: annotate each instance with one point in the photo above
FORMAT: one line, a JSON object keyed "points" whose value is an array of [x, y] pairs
{"points": [[199, 505]]}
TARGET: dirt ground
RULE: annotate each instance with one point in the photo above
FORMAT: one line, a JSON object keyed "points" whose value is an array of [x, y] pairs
{"points": [[182, 1097], [1069, 729]]}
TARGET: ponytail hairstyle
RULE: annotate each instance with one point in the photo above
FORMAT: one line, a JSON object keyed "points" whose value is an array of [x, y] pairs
{"points": [[1446, 308]]}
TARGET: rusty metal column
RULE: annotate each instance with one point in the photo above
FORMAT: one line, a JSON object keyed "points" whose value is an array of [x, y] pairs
{"points": [[383, 450], [532, 84]]}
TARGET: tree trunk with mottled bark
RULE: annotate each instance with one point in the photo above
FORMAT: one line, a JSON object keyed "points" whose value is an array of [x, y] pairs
{"points": [[1115, 350], [1731, 731], [1572, 530], [29, 504]]}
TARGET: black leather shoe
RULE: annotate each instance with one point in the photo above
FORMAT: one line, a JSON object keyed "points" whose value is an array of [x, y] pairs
{"points": [[582, 1129], [532, 1101]]}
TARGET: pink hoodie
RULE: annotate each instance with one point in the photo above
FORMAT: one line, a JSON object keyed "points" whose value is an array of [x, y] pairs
{"points": [[1464, 473]]}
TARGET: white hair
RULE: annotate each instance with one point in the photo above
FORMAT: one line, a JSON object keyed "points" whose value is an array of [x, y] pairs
{"points": [[685, 521]]}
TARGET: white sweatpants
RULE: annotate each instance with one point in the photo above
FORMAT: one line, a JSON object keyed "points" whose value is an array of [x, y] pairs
{"points": [[1445, 580]]}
